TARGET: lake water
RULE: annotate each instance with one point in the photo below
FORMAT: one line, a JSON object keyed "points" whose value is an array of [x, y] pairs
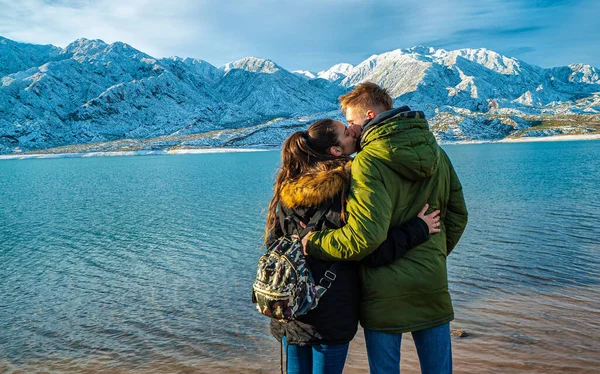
{"points": [[145, 264]]}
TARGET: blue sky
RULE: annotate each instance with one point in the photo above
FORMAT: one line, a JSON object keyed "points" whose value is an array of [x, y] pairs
{"points": [[315, 34]]}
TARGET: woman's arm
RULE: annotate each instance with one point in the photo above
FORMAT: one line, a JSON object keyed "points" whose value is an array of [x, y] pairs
{"points": [[403, 238]]}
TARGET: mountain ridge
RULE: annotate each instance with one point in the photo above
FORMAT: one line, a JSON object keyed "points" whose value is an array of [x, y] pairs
{"points": [[92, 91]]}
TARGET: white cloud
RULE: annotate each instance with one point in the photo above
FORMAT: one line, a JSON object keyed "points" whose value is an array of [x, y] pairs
{"points": [[155, 27]]}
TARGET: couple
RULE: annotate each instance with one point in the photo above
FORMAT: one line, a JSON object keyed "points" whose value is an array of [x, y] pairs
{"points": [[390, 254]]}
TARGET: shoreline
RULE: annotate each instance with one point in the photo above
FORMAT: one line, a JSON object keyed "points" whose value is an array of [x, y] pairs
{"points": [[553, 138], [129, 153], [530, 139], [18, 156]]}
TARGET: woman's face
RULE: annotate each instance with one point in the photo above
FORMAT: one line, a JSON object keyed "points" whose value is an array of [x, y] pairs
{"points": [[346, 139]]}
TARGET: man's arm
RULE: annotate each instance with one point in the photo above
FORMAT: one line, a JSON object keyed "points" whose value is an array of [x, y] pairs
{"points": [[400, 240], [456, 216], [369, 212]]}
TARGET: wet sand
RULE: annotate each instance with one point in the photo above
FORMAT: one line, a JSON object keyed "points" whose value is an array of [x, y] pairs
{"points": [[543, 333], [556, 332]]}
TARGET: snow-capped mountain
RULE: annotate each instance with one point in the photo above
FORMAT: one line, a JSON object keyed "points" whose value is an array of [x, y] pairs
{"points": [[15, 58], [476, 79], [253, 82], [336, 73], [92, 91], [198, 67], [305, 74]]}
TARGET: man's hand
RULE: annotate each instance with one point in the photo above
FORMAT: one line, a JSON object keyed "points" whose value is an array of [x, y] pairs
{"points": [[304, 242]]}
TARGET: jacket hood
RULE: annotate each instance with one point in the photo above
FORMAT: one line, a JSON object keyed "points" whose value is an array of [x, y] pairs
{"points": [[313, 189], [402, 140], [381, 117]]}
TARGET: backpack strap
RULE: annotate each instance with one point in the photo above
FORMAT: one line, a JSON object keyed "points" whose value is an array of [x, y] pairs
{"points": [[314, 221], [328, 278], [316, 218], [294, 221], [331, 273]]}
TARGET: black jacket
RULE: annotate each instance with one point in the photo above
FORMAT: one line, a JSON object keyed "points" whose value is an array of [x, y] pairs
{"points": [[335, 319]]}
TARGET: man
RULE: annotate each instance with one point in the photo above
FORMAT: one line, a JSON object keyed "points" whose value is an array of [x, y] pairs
{"points": [[399, 169]]}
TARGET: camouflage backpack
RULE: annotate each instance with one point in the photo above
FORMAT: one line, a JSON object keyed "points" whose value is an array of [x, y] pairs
{"points": [[284, 287]]}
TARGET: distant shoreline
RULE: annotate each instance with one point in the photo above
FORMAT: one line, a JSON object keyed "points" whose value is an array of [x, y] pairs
{"points": [[128, 153], [530, 139], [553, 138]]}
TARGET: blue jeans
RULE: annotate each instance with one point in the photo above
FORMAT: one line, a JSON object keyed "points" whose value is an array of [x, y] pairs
{"points": [[316, 359], [433, 347]]}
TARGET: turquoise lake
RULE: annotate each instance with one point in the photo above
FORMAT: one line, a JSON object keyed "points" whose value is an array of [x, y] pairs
{"points": [[145, 264]]}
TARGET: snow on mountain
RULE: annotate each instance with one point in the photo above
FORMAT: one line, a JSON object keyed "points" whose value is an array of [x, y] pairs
{"points": [[253, 65], [15, 57], [577, 73], [92, 91], [577, 79], [196, 66], [590, 104], [40, 104], [100, 92], [398, 71], [477, 79], [265, 88], [484, 57], [305, 74], [336, 72]]}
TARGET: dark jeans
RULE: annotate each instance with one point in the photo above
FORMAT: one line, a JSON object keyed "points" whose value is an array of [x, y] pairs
{"points": [[315, 359]]}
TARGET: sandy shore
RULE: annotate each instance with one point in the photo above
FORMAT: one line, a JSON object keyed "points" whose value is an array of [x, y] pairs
{"points": [[129, 153], [541, 333], [554, 138], [213, 150]]}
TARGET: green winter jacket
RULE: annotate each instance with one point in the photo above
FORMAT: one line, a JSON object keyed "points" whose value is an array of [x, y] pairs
{"points": [[399, 169]]}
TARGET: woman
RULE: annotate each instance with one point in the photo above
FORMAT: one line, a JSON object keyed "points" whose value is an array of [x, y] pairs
{"points": [[315, 170]]}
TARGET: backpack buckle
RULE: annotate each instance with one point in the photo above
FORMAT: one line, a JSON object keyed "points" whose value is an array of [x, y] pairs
{"points": [[327, 279], [330, 275]]}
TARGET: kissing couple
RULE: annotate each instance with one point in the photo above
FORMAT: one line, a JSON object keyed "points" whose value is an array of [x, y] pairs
{"points": [[390, 217]]}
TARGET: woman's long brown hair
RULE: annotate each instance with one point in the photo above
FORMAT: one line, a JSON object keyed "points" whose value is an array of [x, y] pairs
{"points": [[302, 153]]}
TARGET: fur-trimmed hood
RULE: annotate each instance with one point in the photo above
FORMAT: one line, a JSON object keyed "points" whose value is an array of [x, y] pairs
{"points": [[313, 189]]}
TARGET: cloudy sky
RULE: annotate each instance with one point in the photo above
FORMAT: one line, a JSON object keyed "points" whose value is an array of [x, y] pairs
{"points": [[315, 34]]}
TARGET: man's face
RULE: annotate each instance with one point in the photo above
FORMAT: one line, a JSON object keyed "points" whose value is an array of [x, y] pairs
{"points": [[355, 118]]}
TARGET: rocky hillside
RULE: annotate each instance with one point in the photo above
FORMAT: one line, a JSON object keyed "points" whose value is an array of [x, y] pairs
{"points": [[92, 93]]}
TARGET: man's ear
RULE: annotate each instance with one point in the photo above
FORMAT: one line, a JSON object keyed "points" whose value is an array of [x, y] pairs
{"points": [[335, 151], [370, 114]]}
